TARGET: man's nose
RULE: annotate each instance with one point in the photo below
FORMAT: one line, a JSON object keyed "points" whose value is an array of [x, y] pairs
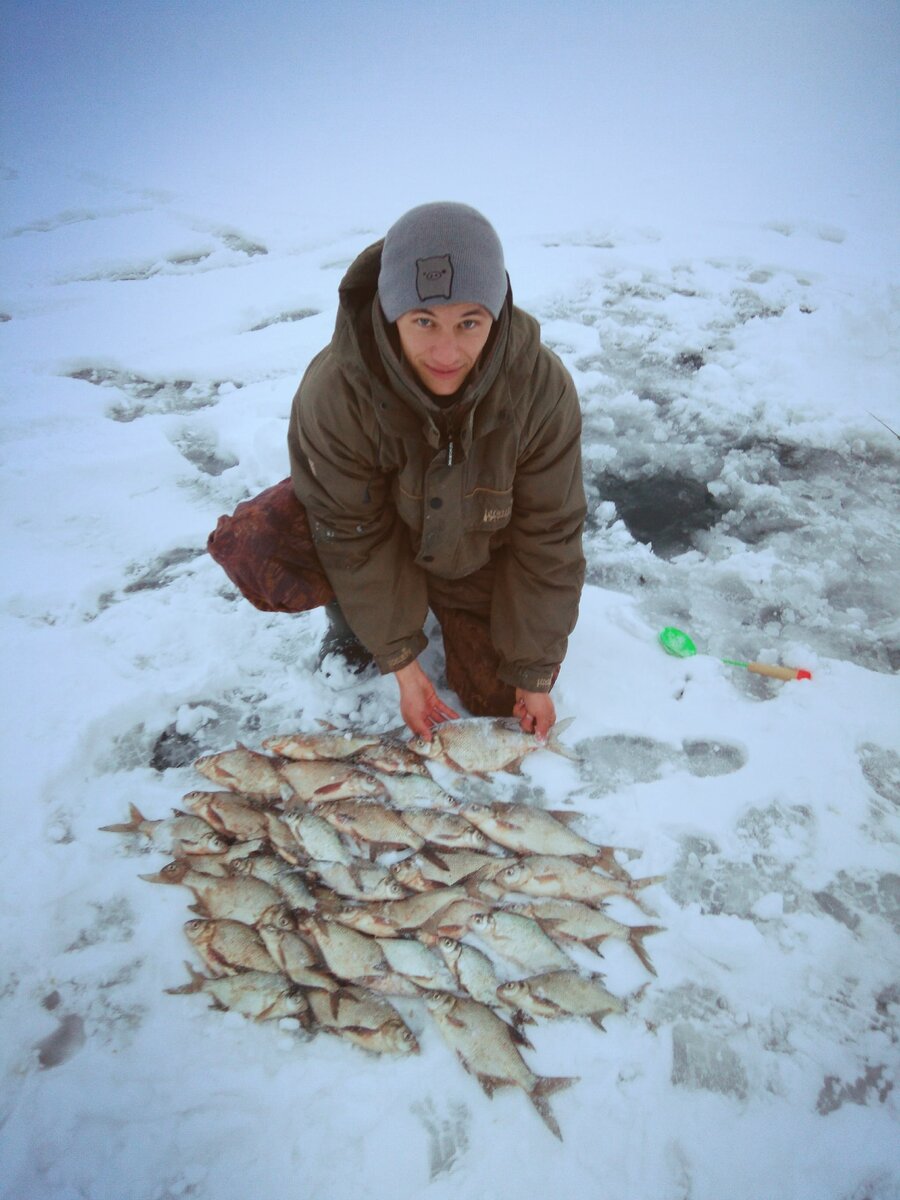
{"points": [[445, 350]]}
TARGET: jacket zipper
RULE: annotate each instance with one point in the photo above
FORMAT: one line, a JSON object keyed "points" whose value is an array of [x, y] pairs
{"points": [[450, 453]]}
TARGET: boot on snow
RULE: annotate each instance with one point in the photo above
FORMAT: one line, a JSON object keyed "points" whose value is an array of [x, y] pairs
{"points": [[340, 643]]}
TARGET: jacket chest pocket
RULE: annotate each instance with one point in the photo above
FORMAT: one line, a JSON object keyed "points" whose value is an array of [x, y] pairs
{"points": [[486, 509]]}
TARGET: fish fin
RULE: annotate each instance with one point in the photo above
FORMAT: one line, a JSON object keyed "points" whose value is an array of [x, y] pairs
{"points": [[432, 855], [520, 1038], [604, 859], [490, 1083], [566, 816], [594, 943], [553, 743], [521, 1017], [137, 819], [546, 1086], [636, 936], [597, 1019], [196, 983], [647, 881]]}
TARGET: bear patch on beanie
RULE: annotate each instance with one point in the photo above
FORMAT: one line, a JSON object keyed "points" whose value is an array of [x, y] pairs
{"points": [[441, 253]]}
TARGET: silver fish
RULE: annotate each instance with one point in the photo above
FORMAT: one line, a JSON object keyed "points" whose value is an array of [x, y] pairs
{"points": [[260, 995], [472, 970], [516, 937], [408, 957], [557, 994], [364, 1020], [371, 824], [289, 881], [530, 830], [478, 745], [441, 828], [570, 921], [333, 744], [247, 900], [239, 817], [180, 835], [563, 879], [313, 781], [242, 770], [359, 881], [228, 946], [414, 789], [421, 875], [392, 918], [296, 958], [485, 1045], [315, 837]]}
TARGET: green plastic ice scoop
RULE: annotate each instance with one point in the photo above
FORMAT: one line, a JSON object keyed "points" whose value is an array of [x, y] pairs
{"points": [[675, 641]]}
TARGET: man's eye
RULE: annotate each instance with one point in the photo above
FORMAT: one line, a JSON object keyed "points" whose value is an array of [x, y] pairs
{"points": [[423, 322]]}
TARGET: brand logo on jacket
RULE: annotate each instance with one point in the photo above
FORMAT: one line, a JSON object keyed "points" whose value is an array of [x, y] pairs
{"points": [[497, 514], [434, 277]]}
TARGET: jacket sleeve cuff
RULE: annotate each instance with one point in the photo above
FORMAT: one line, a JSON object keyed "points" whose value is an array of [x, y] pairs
{"points": [[531, 679], [401, 654]]}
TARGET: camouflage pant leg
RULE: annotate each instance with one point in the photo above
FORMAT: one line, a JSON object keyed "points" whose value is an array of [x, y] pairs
{"points": [[266, 549], [472, 663]]}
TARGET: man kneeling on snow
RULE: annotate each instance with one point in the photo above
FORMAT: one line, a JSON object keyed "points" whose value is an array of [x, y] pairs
{"points": [[436, 459]]}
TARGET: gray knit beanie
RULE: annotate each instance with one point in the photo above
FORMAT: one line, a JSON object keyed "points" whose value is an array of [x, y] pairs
{"points": [[441, 253]]}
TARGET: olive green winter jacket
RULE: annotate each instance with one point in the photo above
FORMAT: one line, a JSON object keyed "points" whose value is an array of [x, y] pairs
{"points": [[402, 493]]}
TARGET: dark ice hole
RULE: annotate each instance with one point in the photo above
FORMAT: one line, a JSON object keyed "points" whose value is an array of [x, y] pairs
{"points": [[664, 510]]}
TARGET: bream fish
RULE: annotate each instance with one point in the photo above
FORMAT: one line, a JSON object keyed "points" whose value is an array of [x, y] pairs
{"points": [[562, 879], [239, 817], [331, 744], [519, 939], [248, 900], [180, 835], [530, 830], [373, 825], [479, 745], [228, 946], [289, 881], [260, 995], [325, 779], [316, 838], [421, 875], [364, 1020], [485, 1045], [359, 880], [571, 921], [472, 970], [242, 770], [557, 994], [298, 960]]}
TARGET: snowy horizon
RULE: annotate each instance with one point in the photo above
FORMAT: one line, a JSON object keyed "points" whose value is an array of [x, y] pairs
{"points": [[698, 202]]}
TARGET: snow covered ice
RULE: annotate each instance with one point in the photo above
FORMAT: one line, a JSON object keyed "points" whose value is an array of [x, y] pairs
{"points": [[733, 333]]}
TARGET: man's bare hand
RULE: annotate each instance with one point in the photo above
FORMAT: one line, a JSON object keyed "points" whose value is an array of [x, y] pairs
{"points": [[535, 711], [420, 705]]}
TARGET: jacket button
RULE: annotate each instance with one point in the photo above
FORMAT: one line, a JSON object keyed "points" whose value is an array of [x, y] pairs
{"points": [[436, 502]]}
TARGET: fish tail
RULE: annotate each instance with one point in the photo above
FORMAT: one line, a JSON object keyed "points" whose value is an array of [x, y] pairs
{"points": [[132, 826], [196, 983], [636, 935], [546, 1086], [553, 743]]}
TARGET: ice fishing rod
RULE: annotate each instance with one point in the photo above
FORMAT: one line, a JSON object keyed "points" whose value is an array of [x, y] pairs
{"points": [[675, 641]]}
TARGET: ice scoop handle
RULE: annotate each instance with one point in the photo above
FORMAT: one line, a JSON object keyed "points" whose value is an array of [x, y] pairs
{"points": [[778, 672]]}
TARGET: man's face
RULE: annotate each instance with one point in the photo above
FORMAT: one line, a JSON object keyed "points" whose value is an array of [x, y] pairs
{"points": [[442, 344]]}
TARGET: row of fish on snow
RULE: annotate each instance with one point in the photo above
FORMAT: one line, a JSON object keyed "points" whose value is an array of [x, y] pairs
{"points": [[335, 871]]}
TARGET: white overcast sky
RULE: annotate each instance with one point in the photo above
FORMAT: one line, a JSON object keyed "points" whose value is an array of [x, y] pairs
{"points": [[550, 110]]}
